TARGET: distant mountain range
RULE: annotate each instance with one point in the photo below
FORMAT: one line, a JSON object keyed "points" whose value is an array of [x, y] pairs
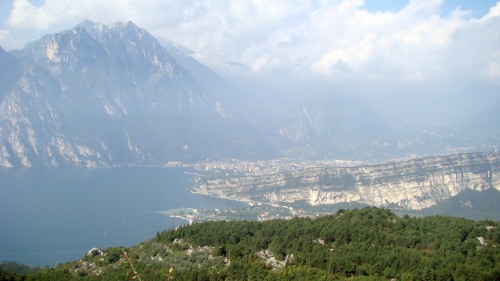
{"points": [[111, 95]]}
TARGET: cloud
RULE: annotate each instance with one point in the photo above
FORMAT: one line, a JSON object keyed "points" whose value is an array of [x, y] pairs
{"points": [[332, 39]]}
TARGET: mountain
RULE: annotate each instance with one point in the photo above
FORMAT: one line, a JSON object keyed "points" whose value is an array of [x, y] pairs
{"points": [[334, 126], [342, 119], [470, 204], [105, 95], [406, 185]]}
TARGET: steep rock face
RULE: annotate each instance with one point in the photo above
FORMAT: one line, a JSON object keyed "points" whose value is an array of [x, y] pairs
{"points": [[414, 184], [102, 95]]}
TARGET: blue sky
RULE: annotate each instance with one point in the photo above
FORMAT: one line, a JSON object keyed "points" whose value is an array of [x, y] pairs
{"points": [[477, 8], [417, 41]]}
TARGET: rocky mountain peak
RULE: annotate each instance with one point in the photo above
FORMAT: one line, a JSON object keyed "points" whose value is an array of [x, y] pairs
{"points": [[134, 52], [103, 32]]}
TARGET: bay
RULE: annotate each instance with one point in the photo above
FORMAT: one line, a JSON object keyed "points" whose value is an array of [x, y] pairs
{"points": [[50, 216]]}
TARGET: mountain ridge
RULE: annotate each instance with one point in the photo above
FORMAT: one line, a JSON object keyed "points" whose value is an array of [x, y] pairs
{"points": [[408, 185]]}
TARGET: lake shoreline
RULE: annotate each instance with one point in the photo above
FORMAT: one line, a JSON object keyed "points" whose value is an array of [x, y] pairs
{"points": [[75, 209]]}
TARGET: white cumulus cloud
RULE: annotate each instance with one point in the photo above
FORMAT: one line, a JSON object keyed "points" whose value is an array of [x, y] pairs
{"points": [[335, 39]]}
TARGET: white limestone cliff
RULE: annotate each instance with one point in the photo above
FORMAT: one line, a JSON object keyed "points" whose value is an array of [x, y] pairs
{"points": [[413, 185]]}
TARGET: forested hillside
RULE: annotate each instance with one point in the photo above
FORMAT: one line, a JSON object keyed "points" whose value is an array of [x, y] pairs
{"points": [[366, 244]]}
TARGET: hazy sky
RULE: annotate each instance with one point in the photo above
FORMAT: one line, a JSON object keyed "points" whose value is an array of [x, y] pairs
{"points": [[341, 40]]}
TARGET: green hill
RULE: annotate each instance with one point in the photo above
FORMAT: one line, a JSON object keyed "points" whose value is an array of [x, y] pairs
{"points": [[363, 244]]}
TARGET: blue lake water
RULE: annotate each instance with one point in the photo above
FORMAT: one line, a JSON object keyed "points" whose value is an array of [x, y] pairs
{"points": [[49, 216]]}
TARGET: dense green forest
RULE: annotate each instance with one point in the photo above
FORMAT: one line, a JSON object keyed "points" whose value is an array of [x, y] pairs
{"points": [[363, 244]]}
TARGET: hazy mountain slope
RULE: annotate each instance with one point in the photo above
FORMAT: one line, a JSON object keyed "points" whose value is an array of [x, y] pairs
{"points": [[112, 95], [469, 204], [332, 127], [342, 119], [10, 71], [203, 74]]}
